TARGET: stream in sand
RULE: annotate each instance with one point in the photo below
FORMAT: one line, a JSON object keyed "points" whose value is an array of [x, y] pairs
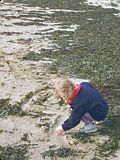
{"points": [[30, 84]]}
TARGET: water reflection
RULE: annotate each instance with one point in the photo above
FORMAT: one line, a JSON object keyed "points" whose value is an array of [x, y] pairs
{"points": [[105, 3], [28, 28]]}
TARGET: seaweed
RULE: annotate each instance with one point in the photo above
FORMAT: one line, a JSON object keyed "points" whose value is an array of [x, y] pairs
{"points": [[60, 152], [110, 127], [10, 152], [25, 137], [83, 137], [7, 109], [32, 56]]}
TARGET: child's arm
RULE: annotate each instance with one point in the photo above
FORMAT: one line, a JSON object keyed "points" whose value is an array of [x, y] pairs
{"points": [[74, 119]]}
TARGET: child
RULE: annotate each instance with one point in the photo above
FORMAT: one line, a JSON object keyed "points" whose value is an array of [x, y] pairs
{"points": [[86, 103]]}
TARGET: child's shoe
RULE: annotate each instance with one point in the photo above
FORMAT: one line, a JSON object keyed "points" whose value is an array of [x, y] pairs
{"points": [[91, 127]]}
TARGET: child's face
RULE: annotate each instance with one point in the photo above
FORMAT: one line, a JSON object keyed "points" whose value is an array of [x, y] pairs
{"points": [[59, 95], [64, 91], [65, 98]]}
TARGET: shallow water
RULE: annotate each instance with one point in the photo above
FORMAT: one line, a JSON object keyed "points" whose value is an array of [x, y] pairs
{"points": [[115, 4], [29, 28], [24, 28], [105, 3]]}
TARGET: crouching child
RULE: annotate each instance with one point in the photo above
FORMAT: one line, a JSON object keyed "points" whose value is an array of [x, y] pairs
{"points": [[87, 105]]}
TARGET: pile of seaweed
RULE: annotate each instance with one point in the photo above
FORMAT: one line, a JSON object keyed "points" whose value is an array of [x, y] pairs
{"points": [[10, 152], [7, 109], [59, 152]]}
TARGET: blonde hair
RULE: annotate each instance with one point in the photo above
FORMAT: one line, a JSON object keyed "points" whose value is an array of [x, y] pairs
{"points": [[65, 89]]}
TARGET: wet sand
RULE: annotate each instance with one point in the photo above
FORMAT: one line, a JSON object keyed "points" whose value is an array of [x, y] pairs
{"points": [[31, 87]]}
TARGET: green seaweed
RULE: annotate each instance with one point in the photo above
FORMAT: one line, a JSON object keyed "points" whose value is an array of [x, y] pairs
{"points": [[111, 128], [32, 56], [60, 152], [83, 137], [7, 109], [25, 137], [96, 158], [39, 114], [13, 152]]}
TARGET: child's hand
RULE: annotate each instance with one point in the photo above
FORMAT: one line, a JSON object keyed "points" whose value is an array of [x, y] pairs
{"points": [[59, 130]]}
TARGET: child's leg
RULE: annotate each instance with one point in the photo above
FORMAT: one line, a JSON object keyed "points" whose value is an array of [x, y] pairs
{"points": [[90, 125], [87, 118]]}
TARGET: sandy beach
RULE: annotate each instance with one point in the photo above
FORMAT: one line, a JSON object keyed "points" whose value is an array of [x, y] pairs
{"points": [[33, 40]]}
